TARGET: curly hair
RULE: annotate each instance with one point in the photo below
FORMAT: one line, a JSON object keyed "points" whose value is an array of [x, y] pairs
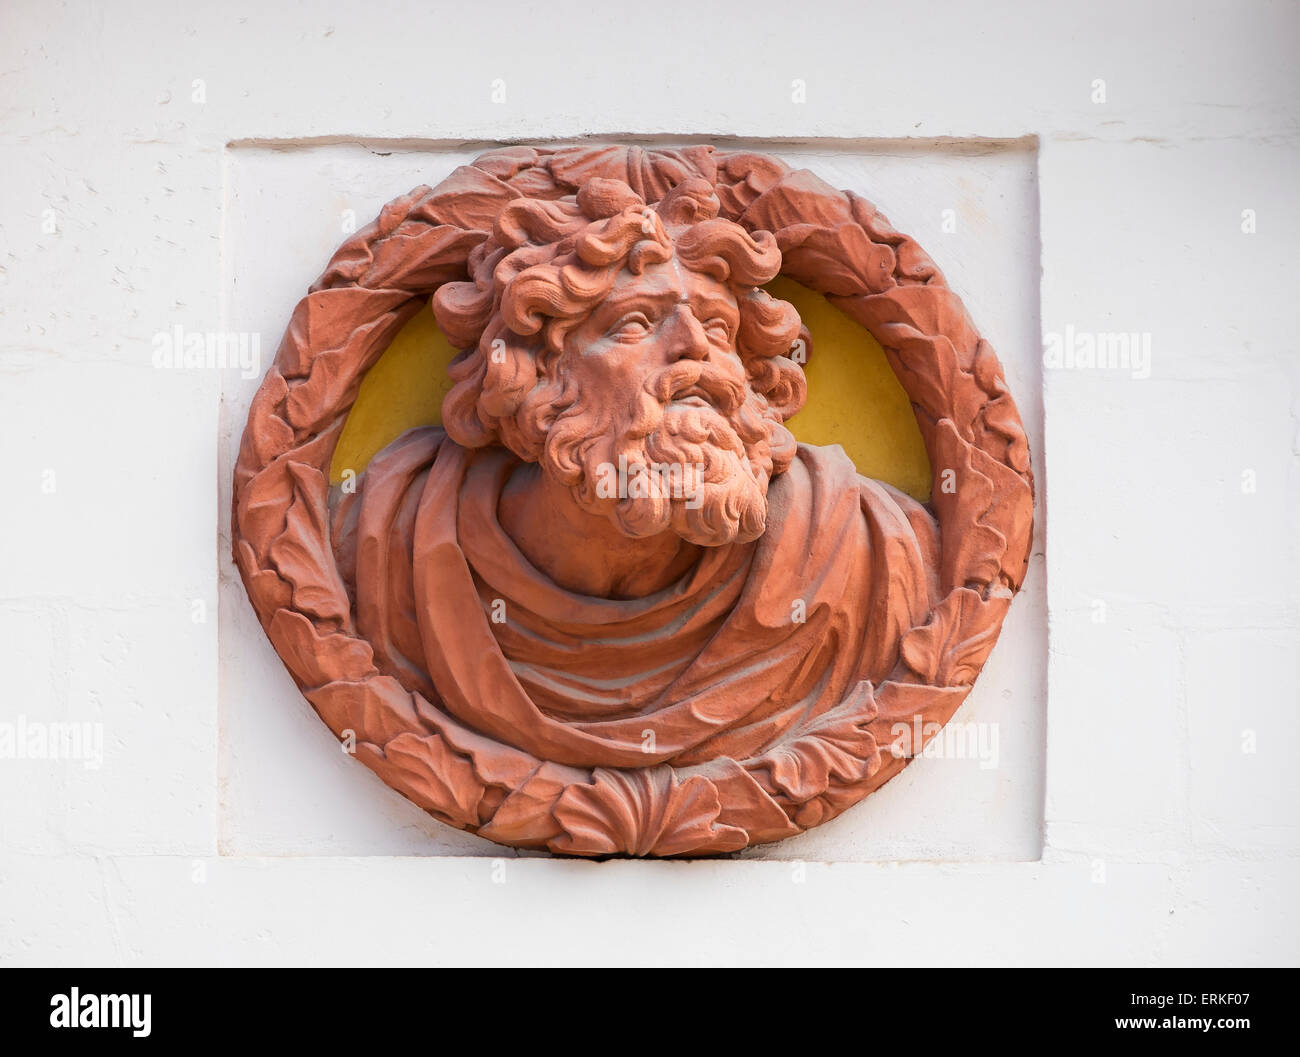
{"points": [[546, 266]]}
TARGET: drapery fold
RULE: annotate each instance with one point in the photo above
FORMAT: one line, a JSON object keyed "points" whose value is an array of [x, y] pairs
{"points": [[755, 638]]}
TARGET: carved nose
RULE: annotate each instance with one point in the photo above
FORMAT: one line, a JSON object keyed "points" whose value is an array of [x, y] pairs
{"points": [[689, 340]]}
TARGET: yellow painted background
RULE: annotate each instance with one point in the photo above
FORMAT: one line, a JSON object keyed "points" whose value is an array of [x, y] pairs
{"points": [[854, 400]]}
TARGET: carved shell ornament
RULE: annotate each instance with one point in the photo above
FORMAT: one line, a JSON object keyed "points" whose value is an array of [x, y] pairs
{"points": [[692, 716]]}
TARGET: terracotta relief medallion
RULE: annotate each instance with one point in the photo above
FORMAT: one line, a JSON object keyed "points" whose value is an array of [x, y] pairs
{"points": [[610, 606]]}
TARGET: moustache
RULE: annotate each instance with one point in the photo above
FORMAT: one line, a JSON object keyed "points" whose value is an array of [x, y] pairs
{"points": [[724, 390]]}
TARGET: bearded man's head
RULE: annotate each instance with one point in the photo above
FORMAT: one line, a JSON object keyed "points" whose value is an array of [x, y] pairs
{"points": [[603, 335]]}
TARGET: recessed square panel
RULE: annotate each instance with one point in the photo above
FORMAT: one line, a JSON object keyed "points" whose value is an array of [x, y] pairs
{"points": [[976, 793]]}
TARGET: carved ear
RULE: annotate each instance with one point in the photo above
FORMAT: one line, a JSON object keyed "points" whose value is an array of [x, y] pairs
{"points": [[689, 202]]}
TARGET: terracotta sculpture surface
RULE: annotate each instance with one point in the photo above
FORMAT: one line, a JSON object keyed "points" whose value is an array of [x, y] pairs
{"points": [[611, 606]]}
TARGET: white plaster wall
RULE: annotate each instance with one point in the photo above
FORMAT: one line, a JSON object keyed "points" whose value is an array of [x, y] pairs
{"points": [[1168, 800]]}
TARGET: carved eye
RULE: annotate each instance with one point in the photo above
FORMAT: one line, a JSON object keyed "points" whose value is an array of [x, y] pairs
{"points": [[717, 329], [631, 327]]}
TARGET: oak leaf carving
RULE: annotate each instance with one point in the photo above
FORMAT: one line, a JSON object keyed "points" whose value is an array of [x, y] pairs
{"points": [[430, 773], [951, 648], [837, 744], [315, 658], [650, 811], [964, 497], [301, 553]]}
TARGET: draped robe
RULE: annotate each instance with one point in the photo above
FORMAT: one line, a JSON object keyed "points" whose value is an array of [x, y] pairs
{"points": [[753, 640]]}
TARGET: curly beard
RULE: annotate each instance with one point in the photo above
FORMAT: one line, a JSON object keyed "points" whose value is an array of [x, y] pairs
{"points": [[692, 454]]}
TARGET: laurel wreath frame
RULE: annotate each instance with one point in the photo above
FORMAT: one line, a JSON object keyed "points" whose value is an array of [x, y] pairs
{"points": [[833, 242]]}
